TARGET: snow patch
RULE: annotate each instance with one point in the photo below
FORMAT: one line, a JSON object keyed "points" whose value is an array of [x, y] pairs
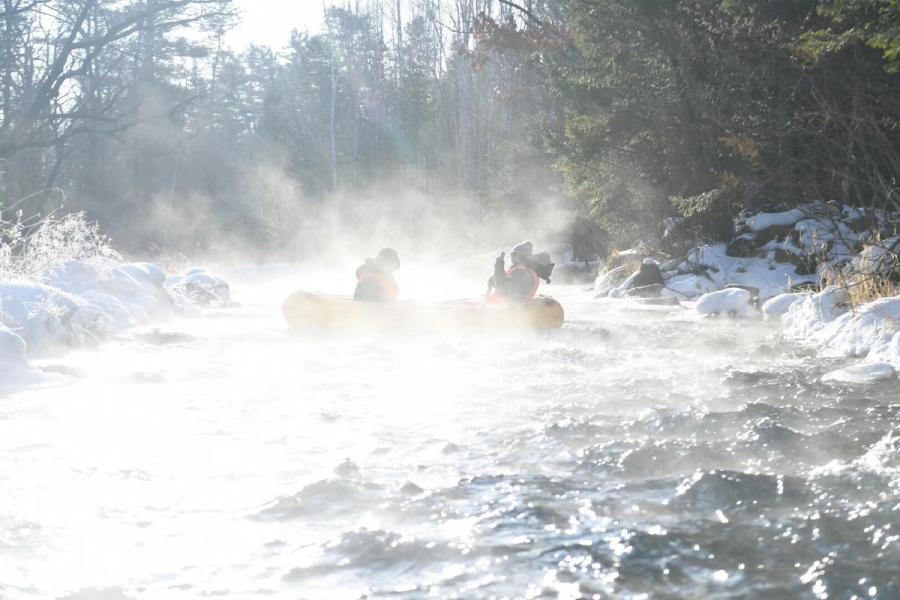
{"points": [[771, 278], [762, 221], [688, 286], [862, 373], [82, 302]]}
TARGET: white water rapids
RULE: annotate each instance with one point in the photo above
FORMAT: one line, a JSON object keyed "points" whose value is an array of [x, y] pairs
{"points": [[637, 453]]}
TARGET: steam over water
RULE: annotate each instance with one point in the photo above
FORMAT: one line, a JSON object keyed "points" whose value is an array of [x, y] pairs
{"points": [[637, 453]]}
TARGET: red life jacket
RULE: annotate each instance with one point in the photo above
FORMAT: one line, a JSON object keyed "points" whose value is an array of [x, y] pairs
{"points": [[386, 283], [497, 297]]}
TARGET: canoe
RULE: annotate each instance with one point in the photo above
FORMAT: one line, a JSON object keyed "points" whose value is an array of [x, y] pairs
{"points": [[305, 310]]}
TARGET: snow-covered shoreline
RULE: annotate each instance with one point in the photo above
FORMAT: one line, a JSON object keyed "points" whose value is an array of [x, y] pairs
{"points": [[870, 331], [85, 301], [775, 268]]}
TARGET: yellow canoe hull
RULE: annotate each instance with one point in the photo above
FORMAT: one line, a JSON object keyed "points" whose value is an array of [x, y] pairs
{"points": [[305, 310]]}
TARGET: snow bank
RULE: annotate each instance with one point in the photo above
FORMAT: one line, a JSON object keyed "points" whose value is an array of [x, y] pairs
{"points": [[775, 252], [871, 331], [764, 273], [82, 302], [732, 302], [870, 328], [783, 255], [809, 316], [708, 268]]}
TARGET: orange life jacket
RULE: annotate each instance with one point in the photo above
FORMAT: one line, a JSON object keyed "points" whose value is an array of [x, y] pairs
{"points": [[386, 283], [497, 297]]}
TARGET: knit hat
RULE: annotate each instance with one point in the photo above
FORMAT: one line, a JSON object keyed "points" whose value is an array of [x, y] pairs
{"points": [[523, 250], [389, 255]]}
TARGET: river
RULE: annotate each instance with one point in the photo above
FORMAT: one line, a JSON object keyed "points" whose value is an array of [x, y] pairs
{"points": [[637, 453]]}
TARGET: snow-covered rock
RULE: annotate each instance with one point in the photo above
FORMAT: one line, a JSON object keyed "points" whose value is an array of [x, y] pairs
{"points": [[200, 287], [776, 307], [733, 302], [826, 237], [779, 252], [36, 312], [609, 281], [139, 287], [132, 292], [144, 271], [877, 257], [862, 373], [82, 302]]}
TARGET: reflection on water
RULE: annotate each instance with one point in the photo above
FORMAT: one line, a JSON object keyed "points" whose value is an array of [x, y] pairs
{"points": [[636, 453]]}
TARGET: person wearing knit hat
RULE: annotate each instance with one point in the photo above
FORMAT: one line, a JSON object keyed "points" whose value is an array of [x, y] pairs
{"points": [[375, 278], [520, 282]]}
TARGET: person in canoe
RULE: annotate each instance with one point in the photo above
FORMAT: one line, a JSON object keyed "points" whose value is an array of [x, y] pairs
{"points": [[375, 278], [520, 282]]}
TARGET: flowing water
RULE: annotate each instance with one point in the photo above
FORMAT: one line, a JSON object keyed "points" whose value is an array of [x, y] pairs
{"points": [[637, 453]]}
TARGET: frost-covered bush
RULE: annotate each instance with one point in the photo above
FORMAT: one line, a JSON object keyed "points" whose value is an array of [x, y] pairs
{"points": [[872, 274], [29, 248]]}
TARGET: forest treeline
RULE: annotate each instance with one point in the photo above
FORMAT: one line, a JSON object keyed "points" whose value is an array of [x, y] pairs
{"points": [[625, 112]]}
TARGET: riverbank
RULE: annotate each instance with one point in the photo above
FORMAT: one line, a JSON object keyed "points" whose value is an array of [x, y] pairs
{"points": [[828, 272], [87, 301]]}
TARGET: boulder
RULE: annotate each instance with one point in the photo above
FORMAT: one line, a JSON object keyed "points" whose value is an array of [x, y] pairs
{"points": [[743, 246], [787, 257], [866, 222], [773, 232], [648, 274], [610, 280]]}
